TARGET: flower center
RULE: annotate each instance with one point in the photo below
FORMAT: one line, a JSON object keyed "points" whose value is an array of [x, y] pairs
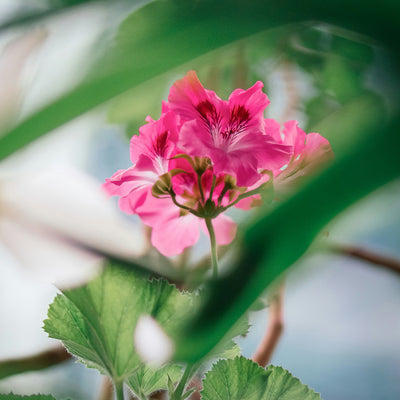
{"points": [[223, 136]]}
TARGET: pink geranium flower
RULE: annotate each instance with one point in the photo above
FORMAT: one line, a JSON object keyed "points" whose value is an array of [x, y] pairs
{"points": [[176, 228], [231, 133], [205, 155], [309, 153], [150, 154]]}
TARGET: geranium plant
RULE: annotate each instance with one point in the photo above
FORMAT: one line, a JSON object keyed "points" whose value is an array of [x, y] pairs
{"points": [[201, 157], [205, 155], [158, 325]]}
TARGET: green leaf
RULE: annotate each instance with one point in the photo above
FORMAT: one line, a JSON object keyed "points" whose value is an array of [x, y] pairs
{"points": [[188, 393], [96, 322], [18, 397], [147, 380], [165, 34], [241, 378], [171, 386]]}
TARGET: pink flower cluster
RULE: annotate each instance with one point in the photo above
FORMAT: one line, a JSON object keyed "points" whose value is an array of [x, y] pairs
{"points": [[204, 155]]}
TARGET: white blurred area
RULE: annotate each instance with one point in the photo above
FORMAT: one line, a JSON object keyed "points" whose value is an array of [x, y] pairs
{"points": [[342, 326], [37, 65]]}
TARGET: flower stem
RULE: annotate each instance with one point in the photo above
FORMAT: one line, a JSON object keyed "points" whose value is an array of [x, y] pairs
{"points": [[214, 180], [173, 197], [200, 187], [119, 390], [214, 256], [177, 395]]}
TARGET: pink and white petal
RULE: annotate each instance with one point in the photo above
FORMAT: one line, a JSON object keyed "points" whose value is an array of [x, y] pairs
{"points": [[252, 99], [249, 202], [155, 211], [224, 227], [173, 236], [111, 185], [268, 152], [246, 173], [130, 203], [122, 184], [187, 93], [273, 155], [156, 139], [273, 129], [195, 139], [294, 136], [318, 147]]}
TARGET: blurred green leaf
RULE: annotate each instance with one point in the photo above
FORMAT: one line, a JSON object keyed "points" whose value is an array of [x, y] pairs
{"points": [[227, 347], [342, 80], [96, 322], [165, 34], [353, 123], [241, 378], [277, 239]]}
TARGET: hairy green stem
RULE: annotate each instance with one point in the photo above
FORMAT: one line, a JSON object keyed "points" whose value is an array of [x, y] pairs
{"points": [[214, 180], [240, 197], [177, 395], [119, 390], [214, 256], [201, 188], [173, 197]]}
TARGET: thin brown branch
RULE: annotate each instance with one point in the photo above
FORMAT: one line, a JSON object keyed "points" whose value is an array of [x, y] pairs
{"points": [[36, 362], [293, 98], [195, 383], [241, 68], [107, 389], [367, 255], [274, 330], [160, 395]]}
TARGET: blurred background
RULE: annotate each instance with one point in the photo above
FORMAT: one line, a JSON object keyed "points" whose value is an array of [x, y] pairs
{"points": [[342, 325]]}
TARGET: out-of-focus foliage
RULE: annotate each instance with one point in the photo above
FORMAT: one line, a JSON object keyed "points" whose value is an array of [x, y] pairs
{"points": [[163, 35], [264, 254], [17, 397], [147, 380]]}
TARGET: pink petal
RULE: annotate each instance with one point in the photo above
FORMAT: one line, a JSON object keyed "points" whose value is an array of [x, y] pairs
{"points": [[224, 228], [318, 146], [273, 129], [133, 200], [294, 136], [155, 211], [195, 139], [157, 139], [173, 236], [187, 93], [274, 155], [252, 99], [249, 202]]}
